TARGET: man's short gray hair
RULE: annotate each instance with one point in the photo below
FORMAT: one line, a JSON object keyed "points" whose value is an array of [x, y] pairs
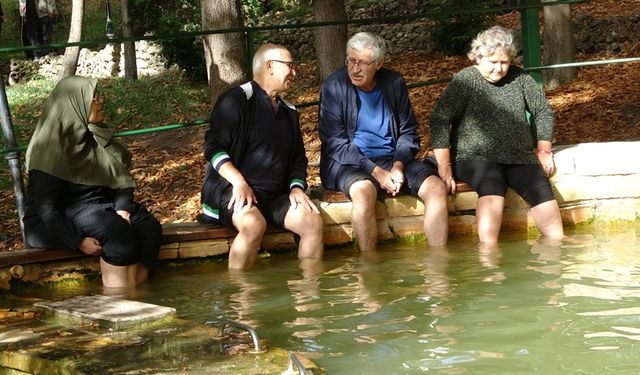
{"points": [[488, 41], [363, 40], [264, 53]]}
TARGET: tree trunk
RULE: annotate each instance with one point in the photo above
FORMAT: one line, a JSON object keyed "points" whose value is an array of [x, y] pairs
{"points": [[225, 54], [330, 40], [558, 45], [130, 66], [70, 62]]}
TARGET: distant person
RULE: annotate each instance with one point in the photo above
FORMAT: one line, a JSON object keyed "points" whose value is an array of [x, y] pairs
{"points": [[369, 142], [256, 164], [37, 24], [80, 189], [481, 135]]}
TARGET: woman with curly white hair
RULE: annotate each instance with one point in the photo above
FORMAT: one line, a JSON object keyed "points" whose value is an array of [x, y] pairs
{"points": [[481, 134]]}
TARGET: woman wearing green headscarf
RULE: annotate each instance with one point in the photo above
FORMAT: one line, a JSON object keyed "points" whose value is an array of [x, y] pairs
{"points": [[80, 190]]}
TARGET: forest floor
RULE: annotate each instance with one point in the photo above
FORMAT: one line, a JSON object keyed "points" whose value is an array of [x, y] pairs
{"points": [[601, 105]]}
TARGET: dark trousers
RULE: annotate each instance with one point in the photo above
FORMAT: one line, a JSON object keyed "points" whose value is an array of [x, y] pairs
{"points": [[123, 244], [46, 32], [31, 36], [37, 32]]}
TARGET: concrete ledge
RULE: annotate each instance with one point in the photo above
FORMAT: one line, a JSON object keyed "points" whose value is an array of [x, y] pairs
{"points": [[36, 255], [593, 183]]}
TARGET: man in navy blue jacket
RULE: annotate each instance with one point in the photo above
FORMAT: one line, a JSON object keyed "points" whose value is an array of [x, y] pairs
{"points": [[369, 142], [256, 164]]}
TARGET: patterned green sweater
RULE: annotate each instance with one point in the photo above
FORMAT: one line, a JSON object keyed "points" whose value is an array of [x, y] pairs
{"points": [[479, 120]]}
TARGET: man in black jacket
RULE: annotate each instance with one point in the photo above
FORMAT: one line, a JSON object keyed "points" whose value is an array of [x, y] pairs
{"points": [[369, 142], [256, 164]]}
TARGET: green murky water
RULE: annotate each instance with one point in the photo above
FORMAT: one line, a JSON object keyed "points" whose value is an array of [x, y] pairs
{"points": [[522, 307]]}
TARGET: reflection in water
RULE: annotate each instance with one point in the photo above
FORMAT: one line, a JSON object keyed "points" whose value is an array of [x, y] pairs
{"points": [[548, 253], [466, 308], [305, 291], [133, 293], [489, 256], [608, 271], [436, 278], [243, 301], [557, 307]]}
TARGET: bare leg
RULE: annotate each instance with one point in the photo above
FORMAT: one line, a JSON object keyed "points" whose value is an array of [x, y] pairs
{"points": [[141, 273], [548, 220], [251, 226], [363, 214], [309, 226], [489, 217], [436, 214], [118, 276]]}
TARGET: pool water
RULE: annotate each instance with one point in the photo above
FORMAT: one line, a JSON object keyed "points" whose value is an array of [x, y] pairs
{"points": [[570, 307]]}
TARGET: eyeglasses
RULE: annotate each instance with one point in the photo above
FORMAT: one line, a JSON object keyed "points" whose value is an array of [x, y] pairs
{"points": [[290, 64], [363, 64]]}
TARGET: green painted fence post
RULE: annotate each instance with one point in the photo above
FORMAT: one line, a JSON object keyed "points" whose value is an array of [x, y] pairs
{"points": [[531, 45]]}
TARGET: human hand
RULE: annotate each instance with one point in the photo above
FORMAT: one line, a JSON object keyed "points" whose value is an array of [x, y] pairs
{"points": [[90, 246], [397, 174], [446, 175], [386, 181], [548, 165], [125, 215], [242, 196], [298, 197]]}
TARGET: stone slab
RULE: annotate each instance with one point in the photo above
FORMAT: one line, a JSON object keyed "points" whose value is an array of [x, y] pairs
{"points": [[579, 188], [337, 234], [107, 311], [279, 240], [602, 158], [578, 214], [44, 346], [407, 226], [203, 248], [404, 205]]}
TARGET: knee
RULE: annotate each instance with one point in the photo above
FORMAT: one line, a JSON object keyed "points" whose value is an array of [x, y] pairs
{"points": [[251, 223], [363, 194], [433, 188], [314, 223]]}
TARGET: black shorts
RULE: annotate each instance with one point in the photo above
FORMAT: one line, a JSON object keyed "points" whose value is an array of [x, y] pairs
{"points": [[415, 172], [274, 208], [489, 178]]}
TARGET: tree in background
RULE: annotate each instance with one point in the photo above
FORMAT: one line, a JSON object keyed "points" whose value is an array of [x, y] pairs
{"points": [[130, 65], [225, 54], [330, 41], [70, 62], [558, 45], [172, 17]]}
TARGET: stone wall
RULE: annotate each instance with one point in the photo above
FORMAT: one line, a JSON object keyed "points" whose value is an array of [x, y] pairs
{"points": [[103, 63], [610, 35], [596, 184]]}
